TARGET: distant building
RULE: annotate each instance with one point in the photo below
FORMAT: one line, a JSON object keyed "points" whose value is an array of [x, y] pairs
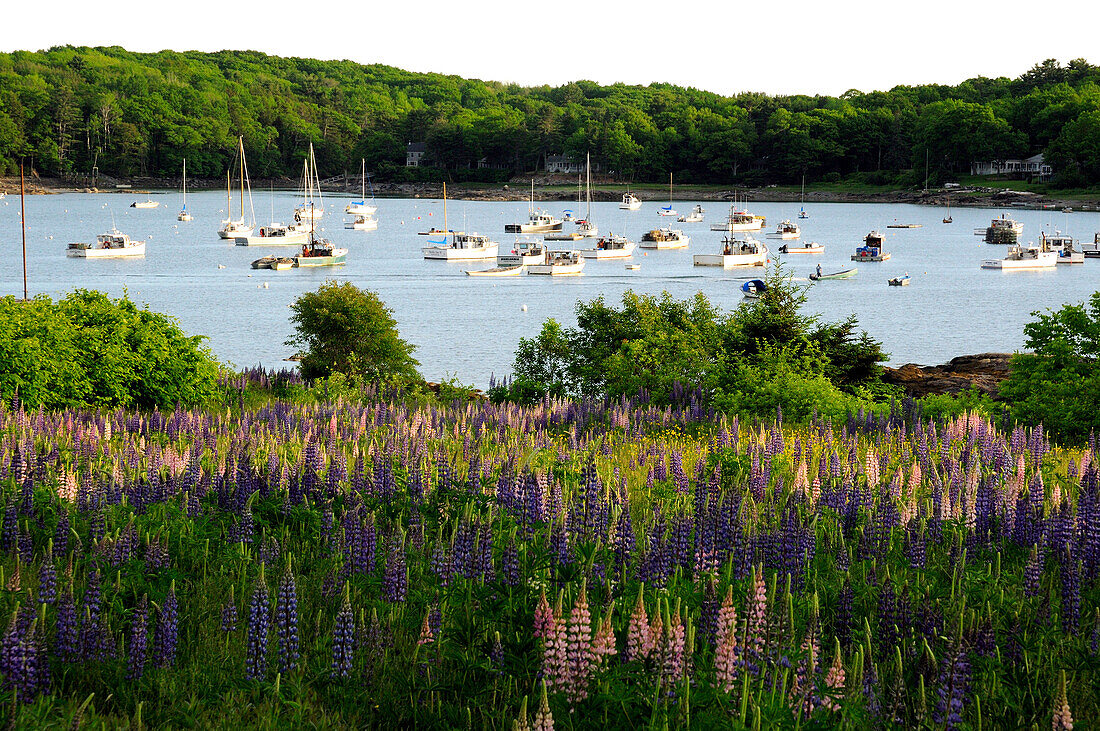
{"points": [[486, 164], [1034, 166], [563, 164], [414, 153]]}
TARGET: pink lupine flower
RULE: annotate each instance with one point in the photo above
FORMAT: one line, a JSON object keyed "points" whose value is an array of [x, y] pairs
{"points": [[870, 466], [426, 634], [834, 681], [603, 646], [802, 685], [1062, 719], [673, 652], [725, 657], [656, 633], [579, 651], [637, 636], [544, 721], [555, 665], [757, 612], [815, 490], [520, 724], [543, 617]]}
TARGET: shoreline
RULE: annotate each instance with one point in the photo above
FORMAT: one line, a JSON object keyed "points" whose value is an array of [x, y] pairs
{"points": [[557, 189]]}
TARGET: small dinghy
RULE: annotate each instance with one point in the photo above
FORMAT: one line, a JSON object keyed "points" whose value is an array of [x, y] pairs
{"points": [[754, 288], [902, 281], [845, 274], [496, 271]]}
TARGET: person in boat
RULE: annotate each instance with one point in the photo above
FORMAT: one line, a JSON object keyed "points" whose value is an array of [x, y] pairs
{"points": [[819, 270], [726, 250]]}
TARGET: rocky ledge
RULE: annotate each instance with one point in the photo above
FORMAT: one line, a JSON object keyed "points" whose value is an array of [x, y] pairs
{"points": [[984, 371]]}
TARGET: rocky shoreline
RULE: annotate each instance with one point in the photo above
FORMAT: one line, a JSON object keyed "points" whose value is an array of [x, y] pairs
{"points": [[984, 372], [558, 188]]}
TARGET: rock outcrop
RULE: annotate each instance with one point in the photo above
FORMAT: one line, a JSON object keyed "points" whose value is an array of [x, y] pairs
{"points": [[984, 371]]}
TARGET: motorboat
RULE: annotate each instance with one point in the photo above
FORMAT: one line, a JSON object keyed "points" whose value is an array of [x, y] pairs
{"points": [[735, 252], [524, 252], [753, 288], [362, 222], [808, 247], [1003, 230], [233, 228], [278, 263], [111, 245], [630, 202], [558, 264], [696, 216], [461, 246], [1066, 247], [739, 220], [1034, 256], [786, 230], [147, 203], [902, 281], [871, 249], [274, 234], [1092, 251], [843, 274], [539, 221], [664, 238], [320, 253], [610, 246]]}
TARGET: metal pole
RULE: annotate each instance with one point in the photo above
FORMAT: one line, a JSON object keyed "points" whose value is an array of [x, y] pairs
{"points": [[23, 219]]}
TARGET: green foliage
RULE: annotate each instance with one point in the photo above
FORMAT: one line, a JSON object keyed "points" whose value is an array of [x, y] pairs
{"points": [[942, 407], [90, 350], [343, 329], [1059, 383], [68, 108]]}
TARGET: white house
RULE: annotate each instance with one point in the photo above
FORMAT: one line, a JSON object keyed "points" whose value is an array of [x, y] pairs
{"points": [[563, 164], [1034, 166], [414, 151]]}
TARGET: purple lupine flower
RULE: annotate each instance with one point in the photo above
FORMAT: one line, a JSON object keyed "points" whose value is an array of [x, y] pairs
{"points": [[286, 622], [343, 639], [68, 635], [953, 690], [47, 580], [259, 625], [61, 535], [509, 563], [1071, 595], [395, 580], [166, 634], [92, 634], [139, 640], [229, 613]]}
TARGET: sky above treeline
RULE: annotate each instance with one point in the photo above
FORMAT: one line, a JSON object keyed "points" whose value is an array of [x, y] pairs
{"points": [[723, 46]]}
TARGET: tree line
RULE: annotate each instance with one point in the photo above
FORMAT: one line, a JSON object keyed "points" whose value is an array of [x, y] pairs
{"points": [[71, 109]]}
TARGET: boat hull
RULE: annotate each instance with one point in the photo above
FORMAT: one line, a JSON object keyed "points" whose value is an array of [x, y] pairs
{"points": [[293, 239], [446, 253], [338, 257], [518, 260], [625, 252], [877, 257], [532, 228], [497, 272], [630, 206], [731, 227], [846, 274], [368, 225], [785, 236], [127, 252], [1077, 257], [681, 243], [556, 270], [728, 261], [802, 249], [1045, 260], [235, 232]]}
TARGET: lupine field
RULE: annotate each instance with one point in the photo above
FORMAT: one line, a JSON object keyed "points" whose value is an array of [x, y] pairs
{"points": [[569, 565]]}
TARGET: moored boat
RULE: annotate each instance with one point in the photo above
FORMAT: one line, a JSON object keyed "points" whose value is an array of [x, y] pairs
{"points": [[362, 207], [278, 263], [539, 221], [320, 253], [558, 264], [808, 247], [184, 214], [668, 210], [362, 222], [233, 228], [1066, 248], [611, 246], [786, 230], [524, 251], [753, 288], [696, 215], [902, 281], [147, 203], [1039, 256], [630, 202], [1003, 230], [274, 234], [461, 247], [111, 245], [664, 238], [496, 271], [872, 248], [735, 252], [739, 220]]}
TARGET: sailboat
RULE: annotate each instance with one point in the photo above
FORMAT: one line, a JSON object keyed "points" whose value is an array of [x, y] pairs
{"points": [[313, 205], [231, 228], [363, 211], [802, 210], [947, 218], [183, 214], [667, 210], [462, 246], [585, 228], [275, 234], [538, 220], [317, 252]]}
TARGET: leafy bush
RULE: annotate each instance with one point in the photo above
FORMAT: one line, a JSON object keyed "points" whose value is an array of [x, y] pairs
{"points": [[89, 350], [343, 329]]}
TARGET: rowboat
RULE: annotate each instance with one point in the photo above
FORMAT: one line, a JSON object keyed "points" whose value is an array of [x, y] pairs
{"points": [[902, 281], [845, 274], [496, 272]]}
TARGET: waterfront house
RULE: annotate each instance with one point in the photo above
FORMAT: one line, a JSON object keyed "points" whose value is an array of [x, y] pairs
{"points": [[414, 153], [1031, 167]]}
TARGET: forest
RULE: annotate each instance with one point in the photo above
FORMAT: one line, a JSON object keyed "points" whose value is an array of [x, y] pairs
{"points": [[69, 110]]}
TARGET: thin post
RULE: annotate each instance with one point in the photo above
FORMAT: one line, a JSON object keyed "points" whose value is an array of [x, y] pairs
{"points": [[23, 220]]}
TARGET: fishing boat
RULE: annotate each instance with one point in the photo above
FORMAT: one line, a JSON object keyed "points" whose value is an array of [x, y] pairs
{"points": [[668, 210], [902, 281], [496, 272], [871, 249], [524, 252], [312, 207], [696, 216], [232, 228], [361, 207], [1002, 230], [753, 288], [611, 246], [786, 230], [1066, 247], [630, 202], [278, 263], [111, 245], [739, 220], [274, 234], [1092, 251], [320, 253], [147, 203], [539, 221], [459, 245], [558, 264], [664, 238], [843, 274], [802, 206], [735, 252], [362, 222], [1034, 256], [807, 247], [183, 215]]}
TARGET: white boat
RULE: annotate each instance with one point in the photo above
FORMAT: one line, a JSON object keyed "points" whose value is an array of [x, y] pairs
{"points": [[183, 215], [736, 252], [1033, 257], [664, 238], [147, 203], [739, 220], [111, 245], [274, 234], [558, 264], [320, 253], [565, 236], [538, 220], [278, 263], [312, 207], [668, 210], [1092, 251], [362, 207], [232, 228], [1066, 248], [610, 246], [496, 272], [786, 231], [458, 245], [630, 202], [696, 216], [362, 222], [808, 247], [802, 206], [872, 248], [524, 252], [1003, 230]]}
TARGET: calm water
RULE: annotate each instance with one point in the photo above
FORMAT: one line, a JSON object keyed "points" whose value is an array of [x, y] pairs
{"points": [[469, 327]]}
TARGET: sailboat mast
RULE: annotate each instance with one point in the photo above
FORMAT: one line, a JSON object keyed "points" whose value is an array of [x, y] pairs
{"points": [[23, 221], [363, 179], [185, 183], [446, 227], [228, 197], [240, 140], [588, 187]]}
